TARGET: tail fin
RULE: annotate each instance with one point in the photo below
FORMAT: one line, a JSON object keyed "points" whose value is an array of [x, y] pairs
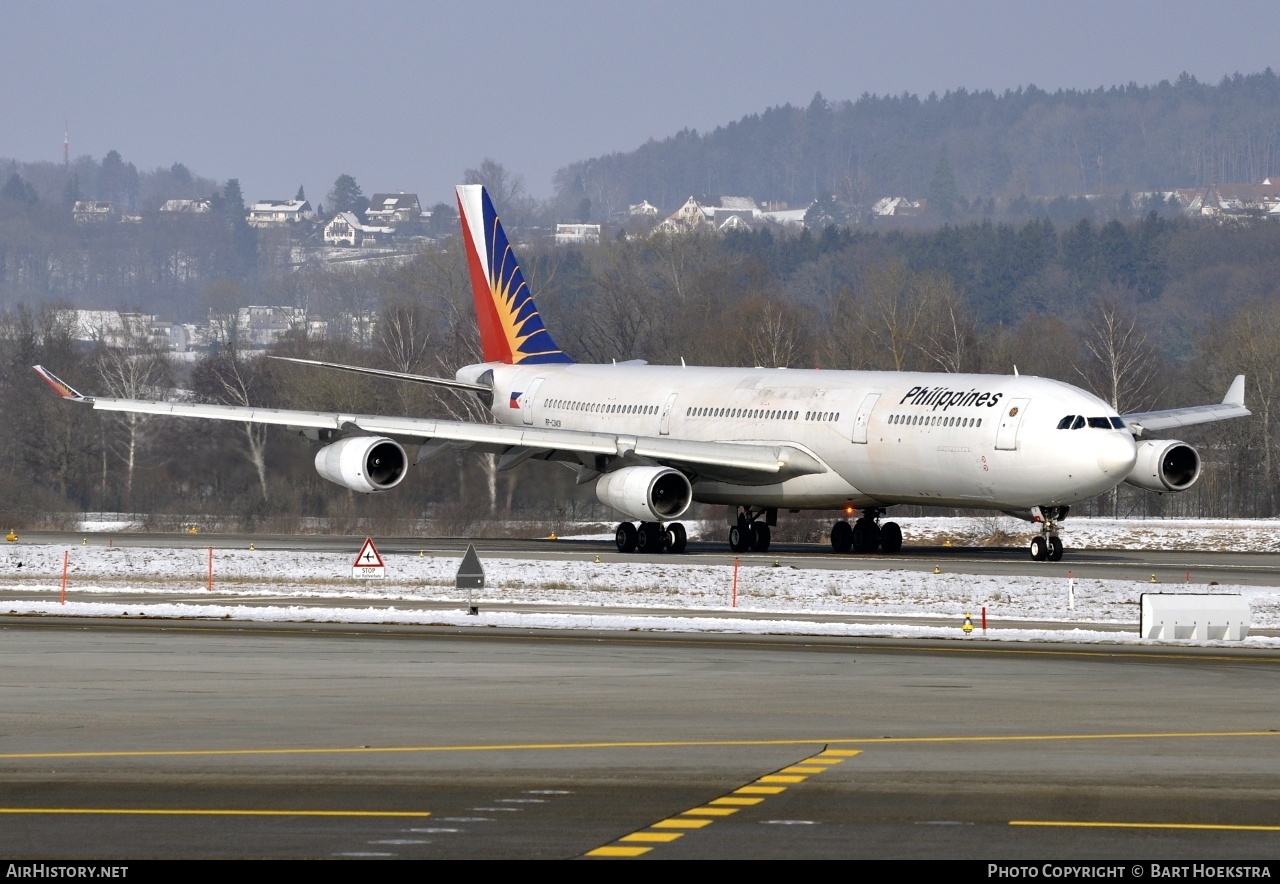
{"points": [[511, 330]]}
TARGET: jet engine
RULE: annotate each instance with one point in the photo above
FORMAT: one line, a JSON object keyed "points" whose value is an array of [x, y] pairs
{"points": [[363, 463], [1165, 465], [647, 494]]}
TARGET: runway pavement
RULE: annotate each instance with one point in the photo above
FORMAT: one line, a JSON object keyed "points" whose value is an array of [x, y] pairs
{"points": [[127, 740]]}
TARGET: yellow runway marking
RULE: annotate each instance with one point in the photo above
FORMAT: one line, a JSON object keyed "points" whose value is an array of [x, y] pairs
{"points": [[712, 811], [159, 811], [656, 837], [619, 851], [822, 758], [719, 808], [677, 823], [1210, 827]]}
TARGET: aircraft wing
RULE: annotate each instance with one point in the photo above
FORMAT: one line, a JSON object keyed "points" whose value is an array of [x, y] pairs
{"points": [[1232, 405], [758, 462]]}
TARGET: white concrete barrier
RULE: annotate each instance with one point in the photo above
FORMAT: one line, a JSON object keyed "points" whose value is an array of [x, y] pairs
{"points": [[1195, 616]]}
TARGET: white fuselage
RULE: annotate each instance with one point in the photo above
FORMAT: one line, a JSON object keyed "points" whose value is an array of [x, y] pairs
{"points": [[985, 441]]}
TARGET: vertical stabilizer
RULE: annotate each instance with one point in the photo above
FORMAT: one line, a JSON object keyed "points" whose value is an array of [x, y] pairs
{"points": [[511, 330]]}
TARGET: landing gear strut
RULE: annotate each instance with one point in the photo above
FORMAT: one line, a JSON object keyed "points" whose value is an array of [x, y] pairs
{"points": [[749, 533], [1047, 545], [867, 534]]}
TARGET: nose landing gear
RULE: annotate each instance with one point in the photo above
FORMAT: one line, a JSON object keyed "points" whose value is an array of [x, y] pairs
{"points": [[1047, 545]]}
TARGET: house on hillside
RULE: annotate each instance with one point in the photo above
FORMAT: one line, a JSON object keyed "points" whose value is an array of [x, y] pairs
{"points": [[187, 207], [1227, 201], [390, 209], [712, 213], [278, 213], [644, 208], [92, 211], [568, 234], [346, 230]]}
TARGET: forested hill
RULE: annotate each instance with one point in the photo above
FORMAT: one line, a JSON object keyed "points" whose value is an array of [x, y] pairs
{"points": [[1026, 142]]}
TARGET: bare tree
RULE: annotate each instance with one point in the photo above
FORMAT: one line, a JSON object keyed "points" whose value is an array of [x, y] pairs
{"points": [[229, 378], [1122, 364], [130, 366]]}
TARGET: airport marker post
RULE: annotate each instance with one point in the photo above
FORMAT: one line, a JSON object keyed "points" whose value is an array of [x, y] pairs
{"points": [[66, 560], [470, 576]]}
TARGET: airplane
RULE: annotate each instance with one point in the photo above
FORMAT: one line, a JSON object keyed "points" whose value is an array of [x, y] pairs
{"points": [[654, 439]]}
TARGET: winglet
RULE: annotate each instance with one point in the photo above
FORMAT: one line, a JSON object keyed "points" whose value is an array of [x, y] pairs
{"points": [[1235, 395], [61, 387]]}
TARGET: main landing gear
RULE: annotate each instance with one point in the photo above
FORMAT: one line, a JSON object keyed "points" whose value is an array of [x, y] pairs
{"points": [[1047, 545], [651, 537], [866, 535], [749, 534]]}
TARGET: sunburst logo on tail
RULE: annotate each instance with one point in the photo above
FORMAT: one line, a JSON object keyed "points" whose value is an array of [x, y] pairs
{"points": [[511, 330]]}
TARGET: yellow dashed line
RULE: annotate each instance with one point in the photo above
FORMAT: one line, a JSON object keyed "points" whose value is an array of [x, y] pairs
{"points": [[619, 851], [724, 806], [678, 823], [713, 811], [656, 837]]}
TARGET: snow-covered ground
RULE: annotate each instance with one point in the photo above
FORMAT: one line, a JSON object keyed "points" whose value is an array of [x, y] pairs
{"points": [[773, 598]]}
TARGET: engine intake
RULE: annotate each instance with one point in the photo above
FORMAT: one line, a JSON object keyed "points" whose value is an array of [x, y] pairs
{"points": [[647, 494], [1165, 465], [363, 463]]}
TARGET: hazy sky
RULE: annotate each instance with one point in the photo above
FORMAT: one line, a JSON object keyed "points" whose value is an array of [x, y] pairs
{"points": [[407, 95]]}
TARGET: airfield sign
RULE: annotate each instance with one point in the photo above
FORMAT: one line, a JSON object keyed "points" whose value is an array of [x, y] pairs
{"points": [[368, 564], [470, 576]]}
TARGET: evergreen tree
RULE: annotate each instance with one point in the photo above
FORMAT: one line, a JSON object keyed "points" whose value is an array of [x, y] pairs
{"points": [[944, 195], [19, 191], [301, 195], [346, 196]]}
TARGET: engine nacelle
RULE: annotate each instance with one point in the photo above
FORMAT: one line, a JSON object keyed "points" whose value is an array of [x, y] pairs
{"points": [[647, 494], [1165, 465], [363, 463]]}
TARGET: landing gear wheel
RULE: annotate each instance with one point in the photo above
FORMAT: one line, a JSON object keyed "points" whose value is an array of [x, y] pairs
{"points": [[841, 537], [890, 538], [625, 537], [1055, 549], [740, 537], [676, 538], [866, 536], [650, 537], [760, 542], [1039, 549]]}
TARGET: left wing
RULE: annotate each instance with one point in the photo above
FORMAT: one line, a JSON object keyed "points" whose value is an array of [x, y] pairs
{"points": [[1232, 405], [755, 463]]}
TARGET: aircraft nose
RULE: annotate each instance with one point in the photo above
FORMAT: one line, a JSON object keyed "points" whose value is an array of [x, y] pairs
{"points": [[1117, 453]]}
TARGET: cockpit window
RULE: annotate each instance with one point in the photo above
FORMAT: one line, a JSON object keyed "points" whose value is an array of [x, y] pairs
{"points": [[1065, 423], [1117, 423], [1099, 423], [1079, 422]]}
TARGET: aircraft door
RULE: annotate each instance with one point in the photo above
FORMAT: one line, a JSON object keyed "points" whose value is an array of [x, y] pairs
{"points": [[863, 417], [1007, 432], [527, 400], [664, 424]]}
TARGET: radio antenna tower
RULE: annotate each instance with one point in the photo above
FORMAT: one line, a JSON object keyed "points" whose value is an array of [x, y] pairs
{"points": [[66, 145]]}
